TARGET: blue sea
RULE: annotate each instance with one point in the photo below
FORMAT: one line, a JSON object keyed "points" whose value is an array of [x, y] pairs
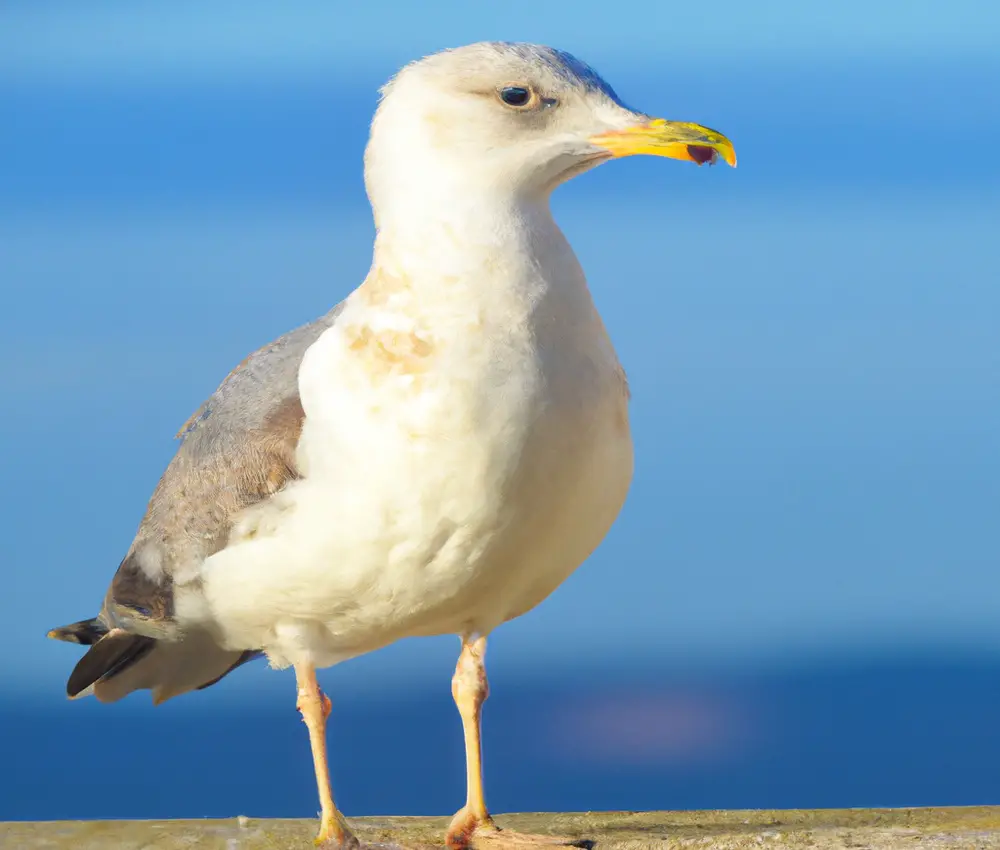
{"points": [[900, 730]]}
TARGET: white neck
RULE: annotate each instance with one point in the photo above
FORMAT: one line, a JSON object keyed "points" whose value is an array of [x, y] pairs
{"points": [[480, 239]]}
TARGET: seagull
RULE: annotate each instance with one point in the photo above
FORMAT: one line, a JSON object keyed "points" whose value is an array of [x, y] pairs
{"points": [[436, 454]]}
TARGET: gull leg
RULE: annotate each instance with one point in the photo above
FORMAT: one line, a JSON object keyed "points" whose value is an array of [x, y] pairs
{"points": [[315, 707], [470, 688]]}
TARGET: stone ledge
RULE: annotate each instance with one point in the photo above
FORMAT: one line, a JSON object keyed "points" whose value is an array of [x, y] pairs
{"points": [[872, 829]]}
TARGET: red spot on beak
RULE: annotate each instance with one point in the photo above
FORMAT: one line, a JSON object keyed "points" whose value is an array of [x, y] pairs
{"points": [[701, 155]]}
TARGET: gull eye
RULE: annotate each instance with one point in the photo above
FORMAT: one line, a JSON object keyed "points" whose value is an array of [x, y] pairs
{"points": [[516, 96]]}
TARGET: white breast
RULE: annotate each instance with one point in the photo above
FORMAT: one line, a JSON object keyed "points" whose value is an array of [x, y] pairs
{"points": [[465, 447]]}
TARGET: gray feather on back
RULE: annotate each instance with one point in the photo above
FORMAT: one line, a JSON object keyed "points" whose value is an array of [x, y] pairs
{"points": [[237, 449]]}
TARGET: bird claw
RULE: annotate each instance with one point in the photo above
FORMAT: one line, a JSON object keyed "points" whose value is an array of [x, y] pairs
{"points": [[468, 830], [333, 833], [464, 826]]}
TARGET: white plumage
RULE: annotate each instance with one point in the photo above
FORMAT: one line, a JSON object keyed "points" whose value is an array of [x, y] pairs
{"points": [[465, 447]]}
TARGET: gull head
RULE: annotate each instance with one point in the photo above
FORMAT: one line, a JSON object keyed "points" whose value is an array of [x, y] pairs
{"points": [[511, 119]]}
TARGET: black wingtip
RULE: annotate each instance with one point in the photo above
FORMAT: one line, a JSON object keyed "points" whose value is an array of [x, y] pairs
{"points": [[86, 632], [111, 655]]}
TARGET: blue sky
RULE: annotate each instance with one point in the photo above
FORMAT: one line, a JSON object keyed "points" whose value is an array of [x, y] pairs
{"points": [[811, 339], [65, 39]]}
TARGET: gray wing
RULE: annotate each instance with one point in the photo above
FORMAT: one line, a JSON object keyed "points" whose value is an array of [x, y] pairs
{"points": [[236, 450]]}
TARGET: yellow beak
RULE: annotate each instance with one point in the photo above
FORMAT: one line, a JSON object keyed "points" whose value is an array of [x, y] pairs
{"points": [[674, 139]]}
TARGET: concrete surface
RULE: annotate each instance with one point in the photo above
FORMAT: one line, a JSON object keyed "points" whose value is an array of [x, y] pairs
{"points": [[874, 829]]}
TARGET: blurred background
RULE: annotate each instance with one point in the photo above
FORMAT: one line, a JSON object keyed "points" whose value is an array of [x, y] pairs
{"points": [[799, 605]]}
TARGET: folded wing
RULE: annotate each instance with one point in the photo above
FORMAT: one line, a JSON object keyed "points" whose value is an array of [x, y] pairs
{"points": [[237, 450]]}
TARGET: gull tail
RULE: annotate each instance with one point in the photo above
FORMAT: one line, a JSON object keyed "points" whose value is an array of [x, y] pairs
{"points": [[119, 662]]}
